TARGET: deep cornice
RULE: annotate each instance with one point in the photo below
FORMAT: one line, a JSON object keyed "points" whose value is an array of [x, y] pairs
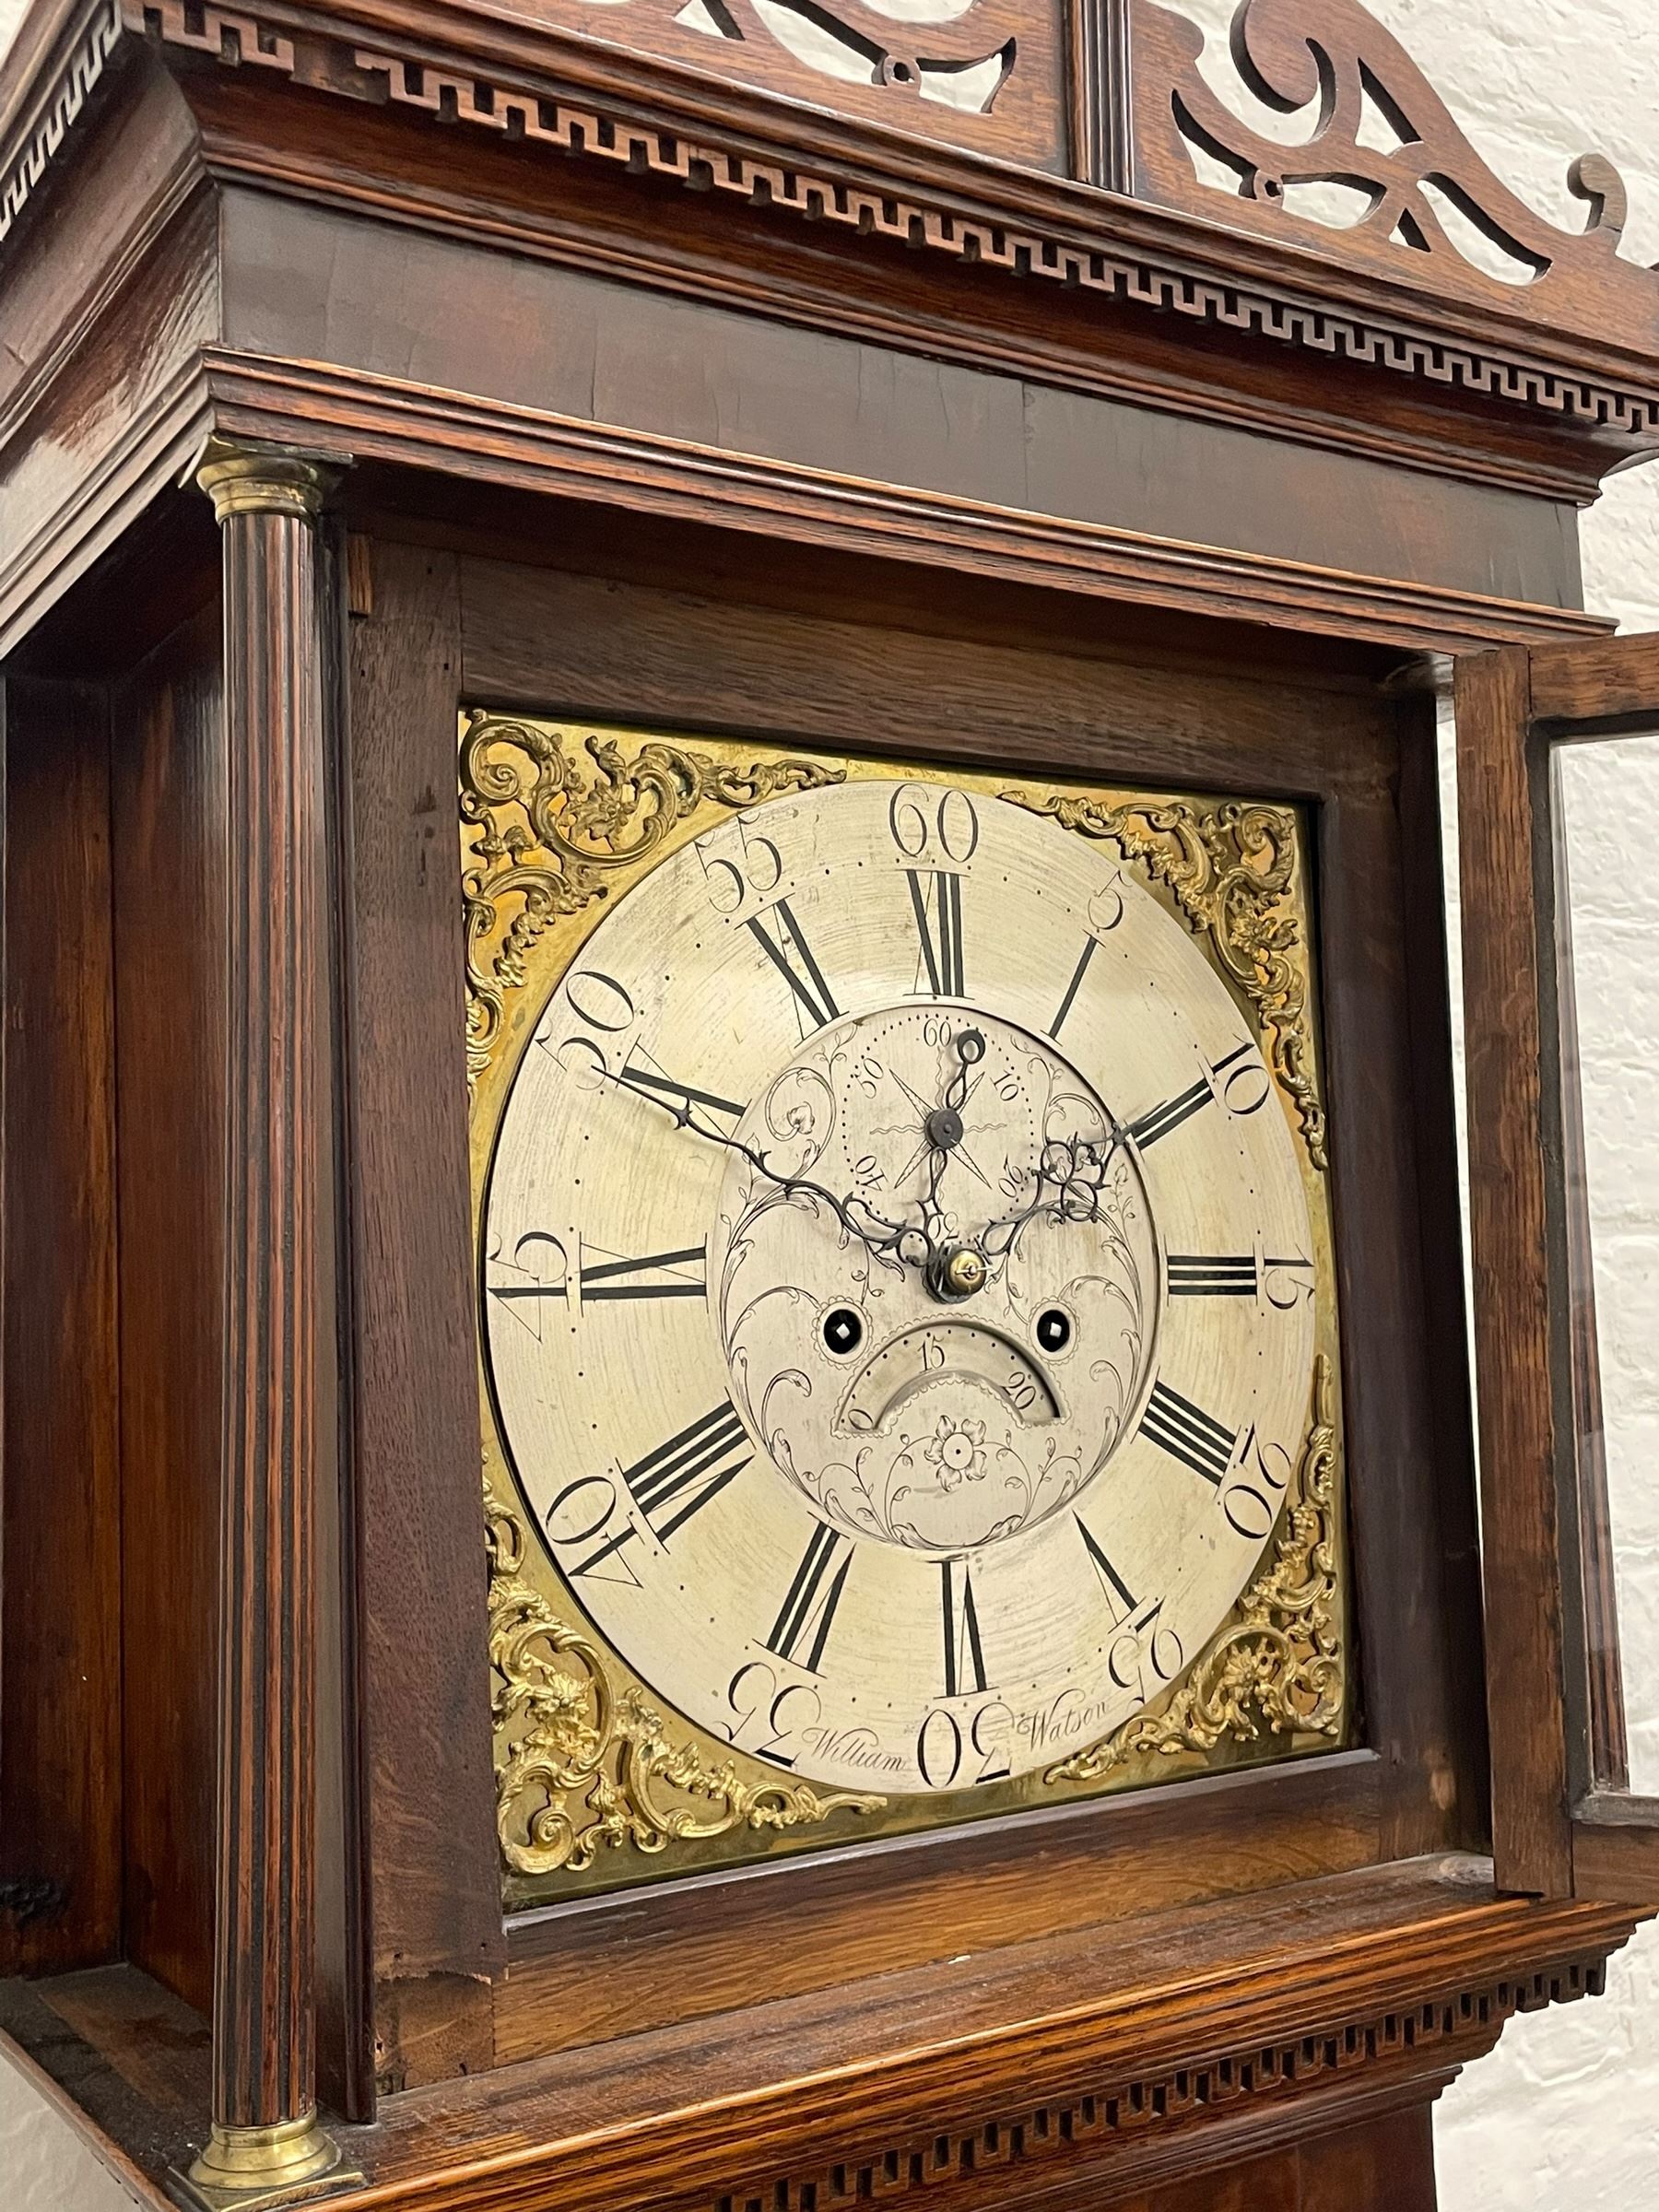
{"points": [[583, 98]]}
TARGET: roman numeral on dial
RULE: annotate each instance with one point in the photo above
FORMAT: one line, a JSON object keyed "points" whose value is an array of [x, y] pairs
{"points": [[801, 1628], [1171, 1113], [1187, 1433], [1238, 1081], [679, 1477], [614, 1278], [1120, 1598], [1195, 1275], [683, 1096], [790, 954], [936, 898], [1079, 973], [964, 1655]]}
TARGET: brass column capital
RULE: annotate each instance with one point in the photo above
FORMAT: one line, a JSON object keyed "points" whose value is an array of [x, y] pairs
{"points": [[272, 479]]}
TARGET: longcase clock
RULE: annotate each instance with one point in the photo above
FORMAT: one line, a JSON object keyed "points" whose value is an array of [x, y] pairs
{"points": [[907, 1309], [739, 1468]]}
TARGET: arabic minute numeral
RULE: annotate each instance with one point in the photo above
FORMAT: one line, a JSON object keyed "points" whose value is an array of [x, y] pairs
{"points": [[801, 1628], [934, 826], [1252, 1503], [539, 1268], [588, 1511], [1241, 1081], [680, 1477], [1287, 1283], [602, 1006], [755, 873], [939, 1748], [752, 1691], [1189, 1434], [1136, 1646]]}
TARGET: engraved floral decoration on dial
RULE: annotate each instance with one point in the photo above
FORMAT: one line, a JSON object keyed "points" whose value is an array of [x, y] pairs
{"points": [[943, 1428], [898, 1287]]}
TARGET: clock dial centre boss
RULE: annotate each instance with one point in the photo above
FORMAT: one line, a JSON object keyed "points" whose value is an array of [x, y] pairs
{"points": [[898, 1289]]}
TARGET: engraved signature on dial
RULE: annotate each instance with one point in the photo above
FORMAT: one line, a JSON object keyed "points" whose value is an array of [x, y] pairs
{"points": [[936, 1432]]}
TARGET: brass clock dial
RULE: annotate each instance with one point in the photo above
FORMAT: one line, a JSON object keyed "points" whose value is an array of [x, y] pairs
{"points": [[899, 1292]]}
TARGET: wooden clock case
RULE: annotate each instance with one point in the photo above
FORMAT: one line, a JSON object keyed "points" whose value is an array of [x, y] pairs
{"points": [[530, 369]]}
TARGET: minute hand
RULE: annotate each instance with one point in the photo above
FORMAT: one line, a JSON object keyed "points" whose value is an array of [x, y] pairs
{"points": [[898, 1240]]}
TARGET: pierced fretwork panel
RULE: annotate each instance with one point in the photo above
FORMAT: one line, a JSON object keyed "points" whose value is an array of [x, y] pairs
{"points": [[1354, 154], [985, 74]]}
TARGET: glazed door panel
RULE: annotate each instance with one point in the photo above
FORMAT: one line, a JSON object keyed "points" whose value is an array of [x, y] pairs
{"points": [[1556, 748]]}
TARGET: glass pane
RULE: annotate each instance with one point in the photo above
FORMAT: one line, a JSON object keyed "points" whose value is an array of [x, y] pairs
{"points": [[1608, 914]]}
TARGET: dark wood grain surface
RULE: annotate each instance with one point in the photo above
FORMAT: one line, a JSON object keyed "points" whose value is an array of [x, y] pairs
{"points": [[1563, 1821], [1409, 1464], [303, 284], [277, 1216], [437, 1922], [690, 1949], [345, 1941], [1604, 687], [60, 1657], [1515, 1143], [170, 828], [1446, 1602], [1185, 2051]]}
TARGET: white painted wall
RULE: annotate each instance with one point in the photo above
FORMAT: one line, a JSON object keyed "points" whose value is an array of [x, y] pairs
{"points": [[48, 2162], [1566, 2114]]}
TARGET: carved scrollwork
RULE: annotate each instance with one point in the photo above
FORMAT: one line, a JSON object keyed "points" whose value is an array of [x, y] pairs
{"points": [[1331, 62], [542, 826], [1278, 1664], [582, 1767], [1229, 866], [946, 58]]}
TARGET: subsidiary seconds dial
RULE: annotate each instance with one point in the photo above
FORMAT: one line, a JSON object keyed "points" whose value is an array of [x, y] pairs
{"points": [[898, 1300]]}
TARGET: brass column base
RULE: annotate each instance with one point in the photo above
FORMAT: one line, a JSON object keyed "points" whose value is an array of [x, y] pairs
{"points": [[248, 2169]]}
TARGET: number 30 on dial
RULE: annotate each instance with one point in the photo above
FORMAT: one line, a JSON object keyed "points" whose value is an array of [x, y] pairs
{"points": [[898, 1300]]}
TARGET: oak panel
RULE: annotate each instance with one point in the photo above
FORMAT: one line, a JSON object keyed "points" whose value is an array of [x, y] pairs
{"points": [[309, 284], [1602, 681], [419, 1529], [1514, 1134], [1410, 1464], [835, 673], [692, 1948]]}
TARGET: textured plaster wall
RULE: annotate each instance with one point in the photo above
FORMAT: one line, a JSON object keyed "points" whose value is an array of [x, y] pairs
{"points": [[46, 2165], [1567, 2112]]}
